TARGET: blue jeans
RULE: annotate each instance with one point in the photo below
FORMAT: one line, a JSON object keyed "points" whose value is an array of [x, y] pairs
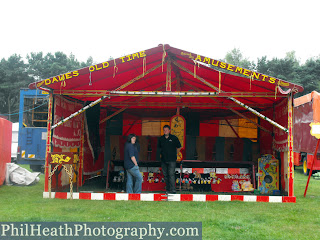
{"points": [[134, 180], [168, 170]]}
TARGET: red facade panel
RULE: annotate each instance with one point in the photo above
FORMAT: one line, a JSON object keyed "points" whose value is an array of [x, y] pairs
{"points": [[5, 146], [302, 140]]}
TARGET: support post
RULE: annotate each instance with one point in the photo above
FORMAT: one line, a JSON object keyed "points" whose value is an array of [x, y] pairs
{"points": [[81, 153], [49, 179], [107, 177], [168, 78], [71, 182], [48, 143], [310, 173], [290, 147]]}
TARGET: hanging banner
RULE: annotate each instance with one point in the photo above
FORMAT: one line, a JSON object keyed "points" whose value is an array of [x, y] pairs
{"points": [[178, 128], [69, 133], [281, 117]]}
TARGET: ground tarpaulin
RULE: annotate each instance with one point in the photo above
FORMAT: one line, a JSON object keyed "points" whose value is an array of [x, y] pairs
{"points": [[16, 175]]}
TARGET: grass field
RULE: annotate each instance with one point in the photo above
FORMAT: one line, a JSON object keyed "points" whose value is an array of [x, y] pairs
{"points": [[220, 220]]}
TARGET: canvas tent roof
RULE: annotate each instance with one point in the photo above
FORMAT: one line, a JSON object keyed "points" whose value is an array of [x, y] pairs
{"points": [[168, 69]]}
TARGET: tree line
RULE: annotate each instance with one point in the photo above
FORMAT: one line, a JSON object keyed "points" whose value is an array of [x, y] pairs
{"points": [[17, 72], [288, 68]]}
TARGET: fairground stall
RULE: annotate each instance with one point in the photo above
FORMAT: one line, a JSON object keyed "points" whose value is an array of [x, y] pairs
{"points": [[235, 126]]}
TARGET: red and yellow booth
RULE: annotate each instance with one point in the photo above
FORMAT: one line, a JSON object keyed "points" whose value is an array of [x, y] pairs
{"points": [[226, 116]]}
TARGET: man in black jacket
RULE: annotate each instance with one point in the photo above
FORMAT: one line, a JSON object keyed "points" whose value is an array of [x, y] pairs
{"points": [[168, 147]]}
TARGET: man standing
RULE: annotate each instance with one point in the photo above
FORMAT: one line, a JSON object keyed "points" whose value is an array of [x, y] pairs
{"points": [[168, 147]]}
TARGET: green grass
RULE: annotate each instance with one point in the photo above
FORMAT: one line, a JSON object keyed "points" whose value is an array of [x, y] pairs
{"points": [[220, 220]]}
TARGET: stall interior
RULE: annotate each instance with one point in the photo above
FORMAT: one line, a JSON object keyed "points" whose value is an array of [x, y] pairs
{"points": [[220, 155], [223, 152]]}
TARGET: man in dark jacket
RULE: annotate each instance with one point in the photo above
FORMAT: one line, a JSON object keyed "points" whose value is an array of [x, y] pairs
{"points": [[168, 147]]}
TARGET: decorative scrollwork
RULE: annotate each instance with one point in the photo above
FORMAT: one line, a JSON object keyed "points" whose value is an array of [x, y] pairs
{"points": [[59, 158], [76, 158]]}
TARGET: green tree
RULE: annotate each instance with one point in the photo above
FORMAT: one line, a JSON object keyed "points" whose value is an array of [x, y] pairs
{"points": [[236, 58], [309, 75], [285, 69], [13, 76], [262, 65], [16, 74], [41, 67]]}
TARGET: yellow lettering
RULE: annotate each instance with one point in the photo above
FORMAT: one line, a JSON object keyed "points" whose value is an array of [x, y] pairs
{"points": [[272, 80], [215, 64], [285, 84], [142, 54], [68, 76], [264, 76], [223, 64], [122, 59], [207, 60], [91, 68], [47, 81], [129, 59], [105, 64], [135, 55], [97, 67], [230, 67], [239, 69], [61, 77], [54, 80], [246, 72], [75, 73], [198, 58], [40, 83], [255, 75]]}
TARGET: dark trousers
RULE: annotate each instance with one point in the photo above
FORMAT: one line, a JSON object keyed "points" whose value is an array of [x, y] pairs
{"points": [[168, 169]]}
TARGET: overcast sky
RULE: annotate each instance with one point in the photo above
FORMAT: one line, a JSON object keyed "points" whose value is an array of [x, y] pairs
{"points": [[113, 28]]}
